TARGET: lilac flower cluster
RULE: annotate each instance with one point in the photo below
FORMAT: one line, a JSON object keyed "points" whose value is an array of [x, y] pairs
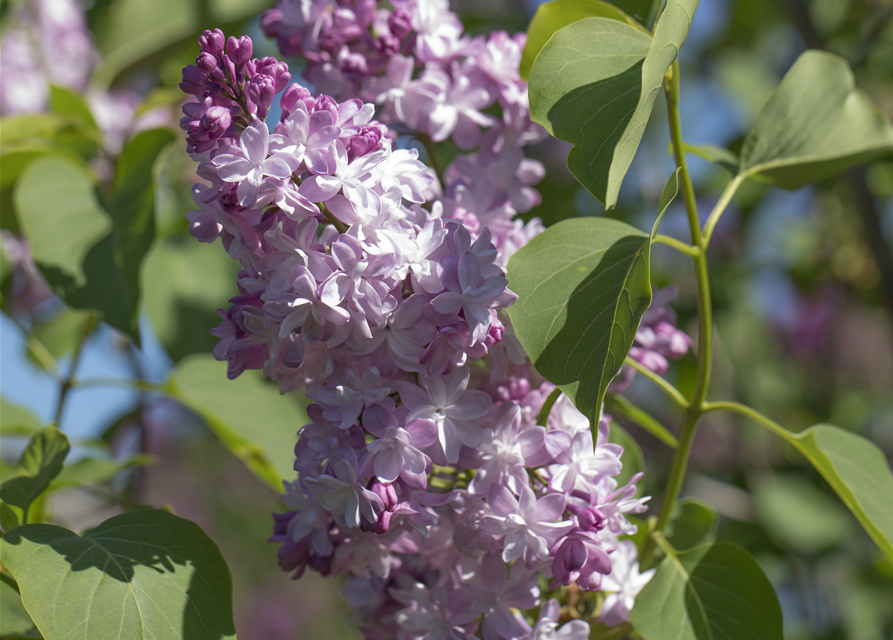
{"points": [[426, 473]]}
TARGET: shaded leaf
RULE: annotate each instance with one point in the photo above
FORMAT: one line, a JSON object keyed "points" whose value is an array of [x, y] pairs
{"points": [[693, 522], [858, 471], [814, 125], [594, 85], [61, 334], [713, 591], [552, 16], [68, 104], [632, 459], [140, 575], [40, 462], [184, 282], [16, 420], [249, 416], [583, 286], [712, 153], [14, 620]]}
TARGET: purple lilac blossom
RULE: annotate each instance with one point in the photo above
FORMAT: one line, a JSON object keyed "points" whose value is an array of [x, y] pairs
{"points": [[423, 473]]}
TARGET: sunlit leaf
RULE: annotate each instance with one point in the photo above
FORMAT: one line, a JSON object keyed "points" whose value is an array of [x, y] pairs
{"points": [[40, 462], [141, 575], [713, 591], [92, 470], [247, 414], [594, 84], [858, 471], [552, 16], [816, 124]]}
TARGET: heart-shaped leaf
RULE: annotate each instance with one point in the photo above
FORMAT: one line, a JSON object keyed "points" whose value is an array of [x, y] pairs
{"points": [[40, 462], [814, 125], [711, 592], [249, 416], [552, 16], [140, 575], [594, 84], [583, 286], [14, 620]]}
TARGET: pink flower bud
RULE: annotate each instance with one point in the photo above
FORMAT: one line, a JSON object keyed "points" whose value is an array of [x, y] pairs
{"points": [[239, 51], [212, 42]]}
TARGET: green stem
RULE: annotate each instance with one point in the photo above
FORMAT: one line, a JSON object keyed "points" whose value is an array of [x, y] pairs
{"points": [[342, 228], [428, 143], [618, 405], [705, 322], [664, 386], [543, 416], [753, 414], [67, 382], [678, 245], [724, 200]]}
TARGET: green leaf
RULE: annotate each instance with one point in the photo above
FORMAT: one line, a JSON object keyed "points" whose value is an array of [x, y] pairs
{"points": [[16, 420], [61, 334], [89, 471], [14, 620], [40, 462], [858, 471], [711, 592], [712, 153], [65, 102], [583, 286], [632, 459], [184, 282], [60, 215], [692, 523], [638, 9], [616, 404], [140, 575], [594, 85], [247, 414], [798, 515], [92, 257], [814, 125], [552, 16]]}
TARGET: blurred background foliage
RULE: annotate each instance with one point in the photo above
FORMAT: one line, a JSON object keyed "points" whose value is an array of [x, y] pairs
{"points": [[802, 283]]}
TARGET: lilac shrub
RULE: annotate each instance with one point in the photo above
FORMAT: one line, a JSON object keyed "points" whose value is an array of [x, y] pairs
{"points": [[377, 285]]}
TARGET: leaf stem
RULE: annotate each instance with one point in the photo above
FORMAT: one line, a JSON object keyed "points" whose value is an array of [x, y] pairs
{"points": [[753, 414], [724, 200], [67, 382], [705, 321], [665, 386], [543, 416], [428, 143], [617, 404], [687, 249]]}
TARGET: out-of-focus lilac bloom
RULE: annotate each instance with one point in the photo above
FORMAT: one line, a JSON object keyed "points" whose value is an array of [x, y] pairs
{"points": [[625, 582], [449, 404], [458, 110], [547, 628], [529, 525], [309, 519]]}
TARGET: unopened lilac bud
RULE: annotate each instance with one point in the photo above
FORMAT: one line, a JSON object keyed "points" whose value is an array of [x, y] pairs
{"points": [[288, 102], [400, 23], [367, 141], [194, 81], [206, 62], [216, 121], [261, 92], [239, 51], [212, 42], [386, 493]]}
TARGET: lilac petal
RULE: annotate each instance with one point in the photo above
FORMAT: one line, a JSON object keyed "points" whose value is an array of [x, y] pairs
{"points": [[447, 303], [247, 193], [550, 508], [501, 500], [469, 271], [411, 395], [388, 465], [320, 188], [232, 168], [436, 388], [423, 433], [323, 136], [254, 141], [471, 434], [473, 404]]}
